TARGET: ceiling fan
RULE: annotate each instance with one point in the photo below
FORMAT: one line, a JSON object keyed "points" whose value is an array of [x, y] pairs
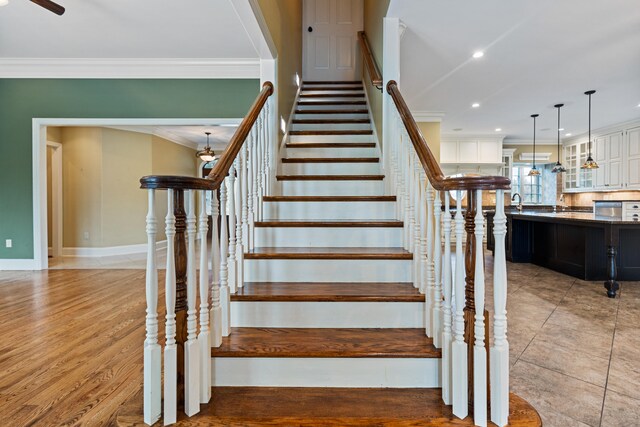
{"points": [[49, 5]]}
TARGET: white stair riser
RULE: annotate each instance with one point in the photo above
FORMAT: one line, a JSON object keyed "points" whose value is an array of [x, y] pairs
{"points": [[332, 91], [303, 152], [325, 372], [331, 126], [328, 270], [329, 210], [331, 138], [268, 314], [331, 168], [323, 237], [332, 188], [313, 106], [332, 116]]}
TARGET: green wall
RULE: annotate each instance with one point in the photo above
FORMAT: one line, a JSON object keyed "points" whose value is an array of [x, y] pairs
{"points": [[374, 12], [21, 100]]}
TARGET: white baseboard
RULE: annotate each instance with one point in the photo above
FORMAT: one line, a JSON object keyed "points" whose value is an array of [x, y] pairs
{"points": [[111, 250], [18, 264]]}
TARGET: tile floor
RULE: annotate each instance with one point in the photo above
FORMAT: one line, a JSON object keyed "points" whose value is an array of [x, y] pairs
{"points": [[575, 354]]}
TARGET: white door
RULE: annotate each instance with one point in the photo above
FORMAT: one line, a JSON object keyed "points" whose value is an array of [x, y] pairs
{"points": [[633, 157], [330, 40], [615, 160]]}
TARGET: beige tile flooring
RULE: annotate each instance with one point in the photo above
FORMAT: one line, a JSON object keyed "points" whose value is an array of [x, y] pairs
{"points": [[575, 354]]}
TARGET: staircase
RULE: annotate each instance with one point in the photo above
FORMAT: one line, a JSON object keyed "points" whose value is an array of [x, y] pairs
{"points": [[326, 325], [328, 299]]}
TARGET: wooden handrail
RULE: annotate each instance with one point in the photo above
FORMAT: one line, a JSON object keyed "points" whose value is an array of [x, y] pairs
{"points": [[369, 60], [221, 169], [431, 166]]}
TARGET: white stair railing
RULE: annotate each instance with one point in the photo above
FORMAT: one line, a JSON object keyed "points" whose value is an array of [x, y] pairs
{"points": [[242, 176], [455, 315]]}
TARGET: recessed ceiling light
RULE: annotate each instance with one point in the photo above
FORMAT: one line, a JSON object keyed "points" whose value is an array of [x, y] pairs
{"points": [[475, 105], [638, 105], [498, 129], [567, 134], [457, 129], [561, 129], [478, 54]]}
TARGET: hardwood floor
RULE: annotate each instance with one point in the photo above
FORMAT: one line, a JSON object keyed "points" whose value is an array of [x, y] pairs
{"points": [[71, 347]]}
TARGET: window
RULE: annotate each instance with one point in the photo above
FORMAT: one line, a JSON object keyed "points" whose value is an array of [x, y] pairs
{"points": [[529, 187]]}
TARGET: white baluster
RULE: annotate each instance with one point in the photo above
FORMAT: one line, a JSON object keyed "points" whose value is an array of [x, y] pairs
{"points": [[499, 360], [254, 167], [479, 351], [215, 316], [232, 265], [250, 189], [418, 254], [267, 151], [261, 144], [436, 321], [170, 348], [204, 337], [225, 297], [411, 191], [424, 251], [459, 347], [429, 271], [446, 312], [191, 347], [152, 356], [238, 231], [245, 196]]}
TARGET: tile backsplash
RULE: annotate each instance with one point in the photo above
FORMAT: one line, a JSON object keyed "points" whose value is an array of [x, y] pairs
{"points": [[586, 199]]}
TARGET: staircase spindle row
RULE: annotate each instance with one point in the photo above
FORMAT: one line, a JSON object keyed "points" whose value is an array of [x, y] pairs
{"points": [[453, 282], [241, 178]]}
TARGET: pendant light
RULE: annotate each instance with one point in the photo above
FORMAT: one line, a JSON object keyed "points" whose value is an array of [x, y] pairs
{"points": [[533, 171], [206, 155], [558, 168], [590, 163]]}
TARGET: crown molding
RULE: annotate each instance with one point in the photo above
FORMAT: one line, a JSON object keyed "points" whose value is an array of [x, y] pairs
{"points": [[124, 68], [428, 116], [618, 127], [518, 141]]}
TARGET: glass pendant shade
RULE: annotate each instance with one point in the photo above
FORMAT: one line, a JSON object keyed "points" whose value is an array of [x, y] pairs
{"points": [[206, 155], [558, 168], [534, 171], [590, 163]]}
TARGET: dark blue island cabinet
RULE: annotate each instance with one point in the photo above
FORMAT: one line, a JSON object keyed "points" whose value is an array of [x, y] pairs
{"points": [[578, 244]]}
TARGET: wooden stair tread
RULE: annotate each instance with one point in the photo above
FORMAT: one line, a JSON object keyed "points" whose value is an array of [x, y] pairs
{"points": [[346, 223], [328, 292], [332, 95], [330, 121], [305, 103], [327, 342], [328, 253], [330, 144], [332, 82], [345, 111], [325, 406], [331, 160], [329, 198], [329, 177], [332, 132], [335, 88]]}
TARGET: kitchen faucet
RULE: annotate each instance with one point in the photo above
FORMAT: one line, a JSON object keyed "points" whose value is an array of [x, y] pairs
{"points": [[519, 207]]}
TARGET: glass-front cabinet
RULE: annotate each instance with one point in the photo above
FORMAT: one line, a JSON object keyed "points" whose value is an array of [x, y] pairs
{"points": [[576, 178]]}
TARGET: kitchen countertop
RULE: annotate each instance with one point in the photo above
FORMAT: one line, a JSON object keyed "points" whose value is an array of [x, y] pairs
{"points": [[570, 217]]}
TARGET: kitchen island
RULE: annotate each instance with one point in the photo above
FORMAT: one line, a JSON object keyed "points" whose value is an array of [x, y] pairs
{"points": [[579, 244]]}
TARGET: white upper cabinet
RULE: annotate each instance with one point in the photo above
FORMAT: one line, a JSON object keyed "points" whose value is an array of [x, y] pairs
{"points": [[471, 150], [608, 154], [618, 157], [632, 158]]}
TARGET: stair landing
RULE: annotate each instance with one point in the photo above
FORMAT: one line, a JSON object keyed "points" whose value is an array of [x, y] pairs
{"points": [[295, 406]]}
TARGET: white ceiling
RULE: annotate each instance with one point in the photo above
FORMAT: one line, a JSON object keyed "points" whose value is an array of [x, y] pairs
{"points": [[124, 29], [537, 54]]}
